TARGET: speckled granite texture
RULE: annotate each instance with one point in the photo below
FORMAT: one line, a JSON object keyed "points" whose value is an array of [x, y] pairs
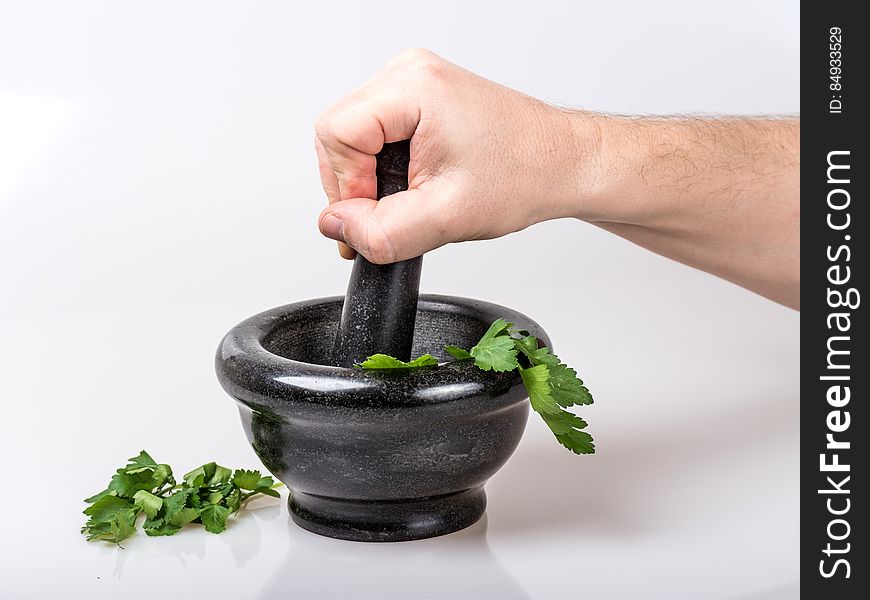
{"points": [[375, 456], [381, 300]]}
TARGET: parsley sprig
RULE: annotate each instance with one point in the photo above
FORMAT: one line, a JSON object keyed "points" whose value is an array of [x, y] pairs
{"points": [[552, 385], [209, 495]]}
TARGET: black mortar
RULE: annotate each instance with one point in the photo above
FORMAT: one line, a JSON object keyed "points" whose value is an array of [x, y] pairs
{"points": [[376, 455]]}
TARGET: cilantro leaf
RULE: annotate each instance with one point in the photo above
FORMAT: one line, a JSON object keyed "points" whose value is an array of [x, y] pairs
{"points": [[163, 476], [214, 517], [148, 502], [496, 353], [247, 480], [268, 490], [536, 382], [106, 508], [498, 327], [207, 494], [95, 497], [198, 476], [456, 352], [566, 388], [175, 502], [528, 345], [142, 461], [552, 385], [427, 360], [127, 484], [184, 516], [122, 527], [383, 361], [221, 476], [162, 529], [111, 519], [566, 427]]}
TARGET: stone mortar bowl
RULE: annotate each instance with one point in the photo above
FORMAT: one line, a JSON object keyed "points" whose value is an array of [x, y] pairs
{"points": [[375, 455]]}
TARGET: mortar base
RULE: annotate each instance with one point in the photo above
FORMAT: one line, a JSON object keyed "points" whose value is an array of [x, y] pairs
{"points": [[387, 520]]}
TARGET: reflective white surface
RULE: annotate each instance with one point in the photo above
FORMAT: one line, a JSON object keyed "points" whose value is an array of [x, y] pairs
{"points": [[157, 185]]}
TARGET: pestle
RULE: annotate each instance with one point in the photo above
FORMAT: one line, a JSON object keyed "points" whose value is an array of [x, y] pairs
{"points": [[381, 301]]}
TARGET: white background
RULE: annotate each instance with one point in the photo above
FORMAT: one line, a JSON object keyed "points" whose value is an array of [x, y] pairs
{"points": [[158, 185]]}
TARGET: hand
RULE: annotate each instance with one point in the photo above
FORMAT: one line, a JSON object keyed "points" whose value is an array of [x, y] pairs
{"points": [[485, 160], [719, 194]]}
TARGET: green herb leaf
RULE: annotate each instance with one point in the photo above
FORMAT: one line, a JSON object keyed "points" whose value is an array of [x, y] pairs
{"points": [[268, 490], [148, 502], [383, 361], [142, 461], [552, 385], [566, 427], [528, 345], [207, 494], [111, 519], [175, 502], [536, 382], [95, 497], [496, 353], [127, 484], [247, 480], [457, 353], [566, 388], [107, 507], [122, 527], [184, 516], [162, 529], [498, 327], [214, 517]]}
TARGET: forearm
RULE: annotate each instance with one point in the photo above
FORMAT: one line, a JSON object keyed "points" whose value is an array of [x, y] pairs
{"points": [[718, 194], [721, 195]]}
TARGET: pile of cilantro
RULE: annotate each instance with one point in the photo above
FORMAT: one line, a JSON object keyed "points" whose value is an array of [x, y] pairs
{"points": [[552, 386], [208, 495]]}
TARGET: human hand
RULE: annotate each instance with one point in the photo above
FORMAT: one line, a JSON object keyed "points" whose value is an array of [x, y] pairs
{"points": [[485, 160], [719, 194]]}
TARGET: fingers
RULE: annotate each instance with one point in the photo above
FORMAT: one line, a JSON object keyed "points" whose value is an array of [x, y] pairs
{"points": [[349, 135], [399, 227], [353, 131], [330, 186]]}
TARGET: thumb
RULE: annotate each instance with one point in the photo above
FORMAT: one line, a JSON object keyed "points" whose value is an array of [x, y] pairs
{"points": [[398, 227]]}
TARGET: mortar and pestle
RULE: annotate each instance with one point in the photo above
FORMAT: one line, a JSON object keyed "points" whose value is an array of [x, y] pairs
{"points": [[376, 455]]}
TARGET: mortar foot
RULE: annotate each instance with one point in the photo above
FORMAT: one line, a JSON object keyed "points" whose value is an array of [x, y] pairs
{"points": [[387, 520]]}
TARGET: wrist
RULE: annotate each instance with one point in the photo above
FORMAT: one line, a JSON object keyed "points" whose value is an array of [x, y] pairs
{"points": [[613, 154], [591, 139]]}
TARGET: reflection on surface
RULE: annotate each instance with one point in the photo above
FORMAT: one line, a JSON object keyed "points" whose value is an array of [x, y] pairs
{"points": [[268, 439], [459, 565], [190, 543]]}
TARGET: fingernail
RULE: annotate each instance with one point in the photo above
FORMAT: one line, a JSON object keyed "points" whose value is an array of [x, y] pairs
{"points": [[332, 227]]}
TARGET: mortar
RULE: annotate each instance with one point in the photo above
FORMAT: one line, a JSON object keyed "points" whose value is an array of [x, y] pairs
{"points": [[376, 455]]}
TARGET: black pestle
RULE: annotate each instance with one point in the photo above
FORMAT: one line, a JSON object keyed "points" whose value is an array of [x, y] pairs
{"points": [[381, 301]]}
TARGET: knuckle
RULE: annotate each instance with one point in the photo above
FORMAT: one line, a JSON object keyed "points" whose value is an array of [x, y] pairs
{"points": [[415, 55], [323, 127], [425, 64]]}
